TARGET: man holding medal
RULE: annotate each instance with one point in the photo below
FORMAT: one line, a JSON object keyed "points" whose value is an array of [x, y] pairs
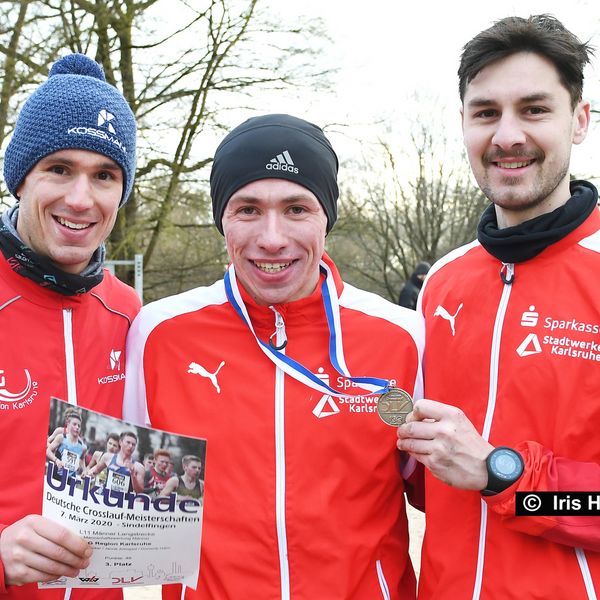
{"points": [[512, 324], [304, 490]]}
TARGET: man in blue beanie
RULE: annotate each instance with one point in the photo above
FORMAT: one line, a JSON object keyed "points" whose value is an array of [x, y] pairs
{"points": [[295, 508], [70, 164]]}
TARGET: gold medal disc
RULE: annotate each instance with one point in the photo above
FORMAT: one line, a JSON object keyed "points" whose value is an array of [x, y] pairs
{"points": [[393, 406]]}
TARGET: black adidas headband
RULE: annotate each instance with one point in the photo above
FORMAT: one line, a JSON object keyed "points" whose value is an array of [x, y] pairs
{"points": [[275, 146]]}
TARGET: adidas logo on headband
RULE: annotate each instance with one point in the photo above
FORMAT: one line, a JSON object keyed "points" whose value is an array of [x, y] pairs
{"points": [[282, 162]]}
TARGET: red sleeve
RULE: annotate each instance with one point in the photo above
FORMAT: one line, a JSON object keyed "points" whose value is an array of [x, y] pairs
{"points": [[2, 584], [545, 472]]}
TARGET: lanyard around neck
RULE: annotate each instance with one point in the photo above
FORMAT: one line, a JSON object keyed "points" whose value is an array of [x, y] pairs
{"points": [[373, 385]]}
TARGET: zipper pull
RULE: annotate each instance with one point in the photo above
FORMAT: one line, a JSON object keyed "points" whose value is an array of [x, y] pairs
{"points": [[507, 273], [280, 341]]}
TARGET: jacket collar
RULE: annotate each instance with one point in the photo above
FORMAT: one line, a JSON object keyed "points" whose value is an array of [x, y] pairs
{"points": [[307, 309], [526, 240], [18, 286]]}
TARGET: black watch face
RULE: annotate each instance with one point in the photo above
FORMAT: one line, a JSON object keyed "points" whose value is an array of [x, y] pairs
{"points": [[505, 464]]}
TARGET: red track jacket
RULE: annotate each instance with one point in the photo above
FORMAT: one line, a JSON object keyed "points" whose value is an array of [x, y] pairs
{"points": [[304, 496], [523, 362], [53, 345]]}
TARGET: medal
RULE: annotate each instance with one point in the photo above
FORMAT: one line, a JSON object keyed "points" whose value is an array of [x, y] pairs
{"points": [[393, 406]]}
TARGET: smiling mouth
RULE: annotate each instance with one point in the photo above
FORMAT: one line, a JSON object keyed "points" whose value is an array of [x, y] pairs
{"points": [[272, 267], [71, 225], [514, 165]]}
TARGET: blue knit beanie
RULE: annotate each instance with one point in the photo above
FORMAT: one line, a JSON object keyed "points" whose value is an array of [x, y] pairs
{"points": [[74, 109]]}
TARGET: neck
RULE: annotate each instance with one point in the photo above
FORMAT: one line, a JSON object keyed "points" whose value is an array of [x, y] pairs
{"points": [[559, 197]]}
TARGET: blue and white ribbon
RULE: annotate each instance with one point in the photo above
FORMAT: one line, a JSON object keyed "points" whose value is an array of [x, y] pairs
{"points": [[373, 385]]}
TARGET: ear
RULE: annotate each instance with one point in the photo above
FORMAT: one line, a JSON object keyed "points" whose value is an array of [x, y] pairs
{"points": [[581, 121], [462, 117]]}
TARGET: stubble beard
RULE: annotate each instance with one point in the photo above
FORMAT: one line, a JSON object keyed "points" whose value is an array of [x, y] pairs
{"points": [[523, 200]]}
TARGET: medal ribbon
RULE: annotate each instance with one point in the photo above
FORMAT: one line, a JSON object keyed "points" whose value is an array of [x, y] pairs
{"points": [[373, 385]]}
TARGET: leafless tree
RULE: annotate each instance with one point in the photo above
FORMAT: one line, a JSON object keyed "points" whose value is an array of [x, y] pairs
{"points": [[182, 66], [387, 226], [26, 52]]}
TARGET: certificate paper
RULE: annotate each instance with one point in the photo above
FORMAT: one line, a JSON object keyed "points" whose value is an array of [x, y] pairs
{"points": [[144, 524]]}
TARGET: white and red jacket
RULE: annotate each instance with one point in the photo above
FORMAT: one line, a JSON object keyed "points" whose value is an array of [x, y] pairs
{"points": [[522, 360], [304, 496], [53, 345]]}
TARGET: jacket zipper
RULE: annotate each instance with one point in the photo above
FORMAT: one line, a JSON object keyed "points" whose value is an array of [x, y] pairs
{"points": [[69, 355], [280, 337], [70, 373], [585, 572], [385, 590], [507, 274]]}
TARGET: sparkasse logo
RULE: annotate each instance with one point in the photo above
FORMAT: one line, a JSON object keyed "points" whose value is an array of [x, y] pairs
{"points": [[530, 317], [326, 406]]}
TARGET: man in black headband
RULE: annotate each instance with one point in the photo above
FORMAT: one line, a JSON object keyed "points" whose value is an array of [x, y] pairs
{"points": [[259, 364]]}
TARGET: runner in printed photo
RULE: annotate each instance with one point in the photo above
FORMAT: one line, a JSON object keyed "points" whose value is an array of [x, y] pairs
{"points": [[124, 473], [189, 482], [156, 477], [112, 447], [67, 451]]}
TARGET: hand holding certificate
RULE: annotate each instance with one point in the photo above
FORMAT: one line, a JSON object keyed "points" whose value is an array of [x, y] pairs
{"points": [[143, 524]]}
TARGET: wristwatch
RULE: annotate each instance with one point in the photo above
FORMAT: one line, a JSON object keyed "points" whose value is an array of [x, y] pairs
{"points": [[504, 467]]}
